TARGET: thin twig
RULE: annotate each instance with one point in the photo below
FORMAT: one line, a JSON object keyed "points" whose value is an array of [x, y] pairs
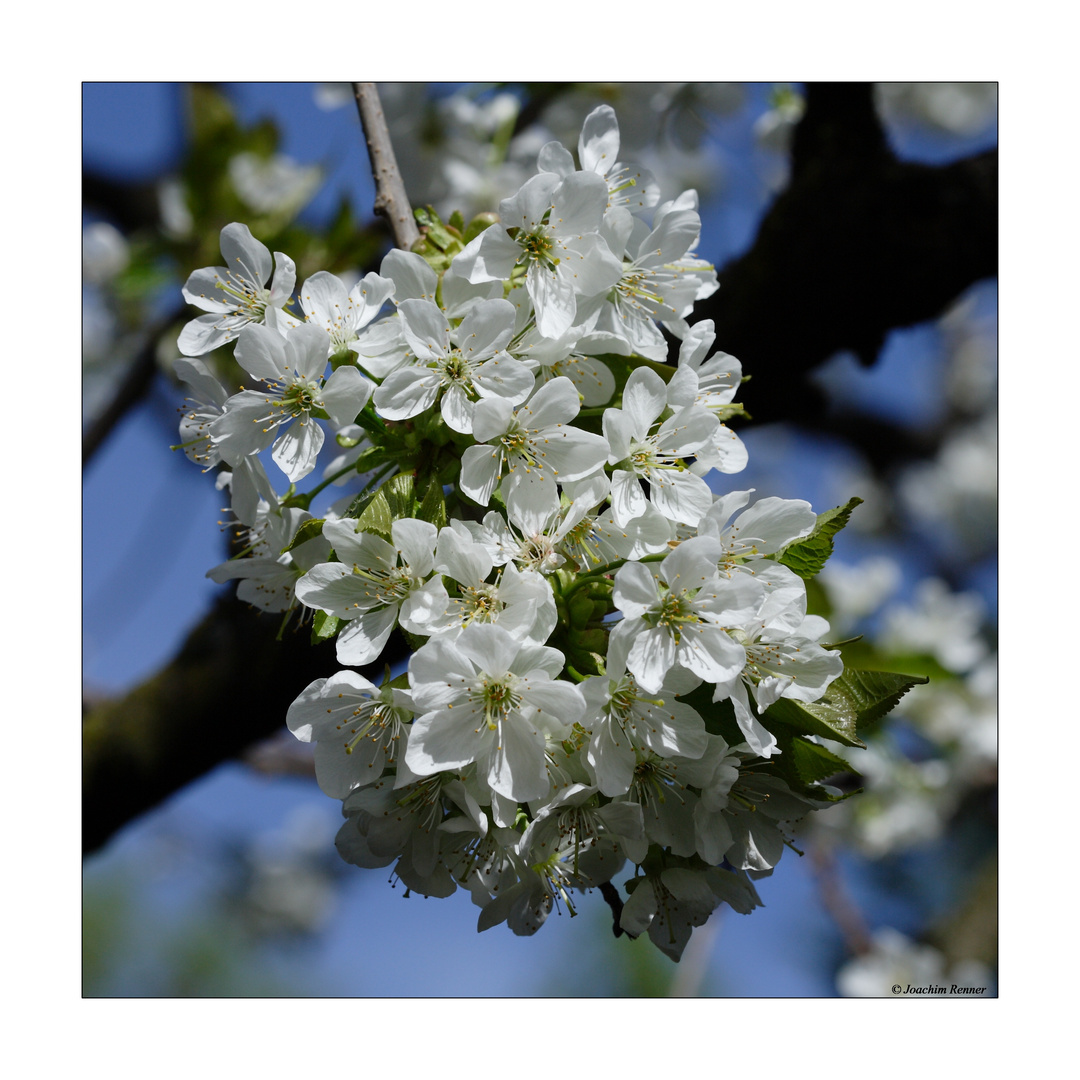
{"points": [[391, 201], [836, 901]]}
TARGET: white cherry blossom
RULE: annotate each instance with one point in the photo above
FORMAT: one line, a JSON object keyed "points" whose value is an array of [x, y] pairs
{"points": [[236, 295], [555, 240], [454, 366], [681, 615], [629, 186], [640, 453], [487, 698], [292, 370], [359, 730], [535, 448], [341, 313], [374, 585]]}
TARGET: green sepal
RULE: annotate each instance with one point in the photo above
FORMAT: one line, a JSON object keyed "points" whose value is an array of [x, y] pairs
{"points": [[323, 627], [308, 531], [478, 225], [438, 243], [347, 442], [437, 233], [342, 357], [808, 555], [457, 221]]}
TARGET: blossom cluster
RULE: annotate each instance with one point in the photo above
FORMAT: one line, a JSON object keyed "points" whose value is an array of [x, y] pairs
{"points": [[596, 635]]}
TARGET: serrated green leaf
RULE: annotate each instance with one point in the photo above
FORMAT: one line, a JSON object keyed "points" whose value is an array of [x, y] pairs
{"points": [[808, 555], [832, 717], [803, 764], [377, 517], [875, 693], [308, 531], [324, 627], [400, 494], [433, 506], [376, 513], [814, 763], [854, 699]]}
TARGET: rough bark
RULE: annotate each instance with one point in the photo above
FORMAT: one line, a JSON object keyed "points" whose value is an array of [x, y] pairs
{"points": [[858, 244]]}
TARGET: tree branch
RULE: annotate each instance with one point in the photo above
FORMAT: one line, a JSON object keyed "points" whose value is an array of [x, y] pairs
{"points": [[836, 901], [227, 689], [859, 243], [133, 387], [391, 201]]}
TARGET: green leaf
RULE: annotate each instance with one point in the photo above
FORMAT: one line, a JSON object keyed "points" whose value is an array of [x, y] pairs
{"points": [[376, 516], [814, 763], [324, 627], [308, 531], [803, 765], [832, 717], [853, 700], [808, 555], [433, 507], [395, 499], [875, 693], [401, 495]]}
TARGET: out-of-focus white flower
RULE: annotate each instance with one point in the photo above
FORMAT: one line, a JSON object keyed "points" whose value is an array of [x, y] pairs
{"points": [[961, 716], [859, 589], [289, 890], [104, 252], [333, 95], [773, 129], [954, 108], [942, 623], [955, 496], [277, 184], [894, 960], [971, 338], [176, 219]]}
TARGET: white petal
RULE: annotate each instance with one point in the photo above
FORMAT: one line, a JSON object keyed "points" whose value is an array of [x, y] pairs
{"points": [[362, 640], [296, 450], [345, 394]]}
